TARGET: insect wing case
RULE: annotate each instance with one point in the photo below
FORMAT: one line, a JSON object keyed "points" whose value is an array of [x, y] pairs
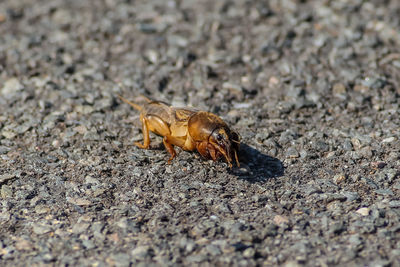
{"points": [[181, 116], [158, 109]]}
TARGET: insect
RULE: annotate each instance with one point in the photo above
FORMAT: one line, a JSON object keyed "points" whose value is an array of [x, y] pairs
{"points": [[189, 129]]}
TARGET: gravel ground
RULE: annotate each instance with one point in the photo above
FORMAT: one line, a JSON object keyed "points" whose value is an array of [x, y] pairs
{"points": [[313, 88]]}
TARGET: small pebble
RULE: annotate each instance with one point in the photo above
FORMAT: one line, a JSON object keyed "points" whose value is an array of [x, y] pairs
{"points": [[41, 229], [5, 177], [249, 253], [363, 211], [291, 152], [389, 140], [339, 178], [279, 219], [11, 86], [6, 191]]}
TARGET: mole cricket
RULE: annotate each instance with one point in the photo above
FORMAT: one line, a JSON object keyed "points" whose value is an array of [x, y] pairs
{"points": [[188, 128]]}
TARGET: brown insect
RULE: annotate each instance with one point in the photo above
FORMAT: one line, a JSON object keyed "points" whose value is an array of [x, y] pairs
{"points": [[189, 129]]}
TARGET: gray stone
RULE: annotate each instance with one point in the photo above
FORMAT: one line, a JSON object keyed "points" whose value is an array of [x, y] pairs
{"points": [[6, 191], [249, 253], [291, 152], [140, 252], [384, 192], [5, 177], [41, 229], [11, 86]]}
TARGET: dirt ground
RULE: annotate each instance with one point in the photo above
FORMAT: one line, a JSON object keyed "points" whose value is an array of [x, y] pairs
{"points": [[313, 88]]}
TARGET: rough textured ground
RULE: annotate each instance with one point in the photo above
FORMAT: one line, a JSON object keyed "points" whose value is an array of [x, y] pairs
{"points": [[313, 87]]}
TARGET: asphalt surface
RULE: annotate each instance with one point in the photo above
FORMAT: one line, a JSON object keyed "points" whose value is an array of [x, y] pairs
{"points": [[312, 87]]}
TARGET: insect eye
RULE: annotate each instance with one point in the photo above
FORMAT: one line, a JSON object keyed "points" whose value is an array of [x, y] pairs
{"points": [[219, 137]]}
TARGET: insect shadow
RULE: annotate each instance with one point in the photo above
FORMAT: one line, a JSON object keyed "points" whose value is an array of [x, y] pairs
{"points": [[256, 166]]}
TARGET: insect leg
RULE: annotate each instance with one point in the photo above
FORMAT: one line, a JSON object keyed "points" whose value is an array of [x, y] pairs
{"points": [[170, 148], [160, 127], [146, 135], [237, 159], [212, 151], [202, 148]]}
